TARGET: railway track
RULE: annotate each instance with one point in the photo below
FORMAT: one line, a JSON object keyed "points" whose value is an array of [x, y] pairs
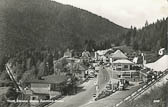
{"points": [[135, 95]]}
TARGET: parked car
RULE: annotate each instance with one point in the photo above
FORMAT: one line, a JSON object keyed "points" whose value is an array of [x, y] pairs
{"points": [[92, 75], [94, 95]]}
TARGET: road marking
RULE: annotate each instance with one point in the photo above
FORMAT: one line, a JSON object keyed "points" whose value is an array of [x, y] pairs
{"points": [[60, 101], [120, 102], [126, 98], [133, 93], [140, 89], [144, 86], [149, 82], [117, 105]]}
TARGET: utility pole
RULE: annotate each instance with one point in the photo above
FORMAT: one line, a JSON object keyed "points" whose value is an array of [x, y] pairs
{"points": [[167, 36], [167, 40]]}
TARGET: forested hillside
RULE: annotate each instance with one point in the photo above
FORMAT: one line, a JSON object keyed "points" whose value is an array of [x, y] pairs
{"points": [[30, 27], [151, 37], [38, 23]]}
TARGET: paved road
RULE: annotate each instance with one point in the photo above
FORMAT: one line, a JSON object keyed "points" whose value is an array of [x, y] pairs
{"points": [[115, 98], [103, 78], [80, 98], [86, 95]]}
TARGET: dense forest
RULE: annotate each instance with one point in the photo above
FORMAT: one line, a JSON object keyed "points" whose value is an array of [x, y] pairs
{"points": [[34, 32], [40, 23], [151, 37]]}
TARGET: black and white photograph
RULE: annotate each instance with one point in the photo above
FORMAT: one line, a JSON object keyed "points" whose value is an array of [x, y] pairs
{"points": [[83, 53]]}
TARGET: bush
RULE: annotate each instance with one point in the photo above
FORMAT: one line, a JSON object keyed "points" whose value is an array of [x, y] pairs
{"points": [[12, 94]]}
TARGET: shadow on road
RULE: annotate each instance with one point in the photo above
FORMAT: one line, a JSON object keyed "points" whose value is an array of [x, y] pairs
{"points": [[80, 89]]}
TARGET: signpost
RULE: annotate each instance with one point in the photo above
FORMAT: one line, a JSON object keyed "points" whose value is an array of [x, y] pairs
{"points": [[167, 40]]}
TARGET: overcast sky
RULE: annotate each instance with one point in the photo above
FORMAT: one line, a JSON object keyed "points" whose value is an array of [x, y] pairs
{"points": [[124, 12]]}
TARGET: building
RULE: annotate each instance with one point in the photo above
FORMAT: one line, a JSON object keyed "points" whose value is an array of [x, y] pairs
{"points": [[125, 70], [68, 53], [109, 52], [80, 72], [47, 87], [103, 54], [99, 54], [159, 65], [118, 54], [128, 51], [86, 56], [122, 65]]}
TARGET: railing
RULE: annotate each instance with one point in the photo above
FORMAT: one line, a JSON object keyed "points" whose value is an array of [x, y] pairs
{"points": [[12, 77], [141, 90]]}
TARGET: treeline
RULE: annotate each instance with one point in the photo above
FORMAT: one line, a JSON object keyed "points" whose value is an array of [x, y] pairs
{"points": [[151, 37]]}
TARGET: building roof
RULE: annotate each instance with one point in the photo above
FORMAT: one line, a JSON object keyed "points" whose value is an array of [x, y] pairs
{"points": [[109, 52], [68, 53], [119, 54], [50, 79], [80, 67], [85, 54], [122, 61], [101, 52], [124, 48], [160, 65]]}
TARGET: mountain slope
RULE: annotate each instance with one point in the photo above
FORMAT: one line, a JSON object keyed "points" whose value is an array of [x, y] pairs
{"points": [[37, 23], [151, 37]]}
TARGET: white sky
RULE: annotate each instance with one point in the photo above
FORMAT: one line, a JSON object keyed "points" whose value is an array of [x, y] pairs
{"points": [[124, 12]]}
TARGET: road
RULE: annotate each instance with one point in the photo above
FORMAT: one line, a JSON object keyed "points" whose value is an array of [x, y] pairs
{"points": [[86, 93], [84, 96], [115, 98], [103, 78]]}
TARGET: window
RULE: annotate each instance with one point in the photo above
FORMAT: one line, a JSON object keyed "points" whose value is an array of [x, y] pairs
{"points": [[125, 66], [34, 97]]}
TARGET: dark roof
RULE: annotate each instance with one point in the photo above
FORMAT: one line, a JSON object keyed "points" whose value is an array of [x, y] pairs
{"points": [[50, 79], [109, 52], [124, 48]]}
